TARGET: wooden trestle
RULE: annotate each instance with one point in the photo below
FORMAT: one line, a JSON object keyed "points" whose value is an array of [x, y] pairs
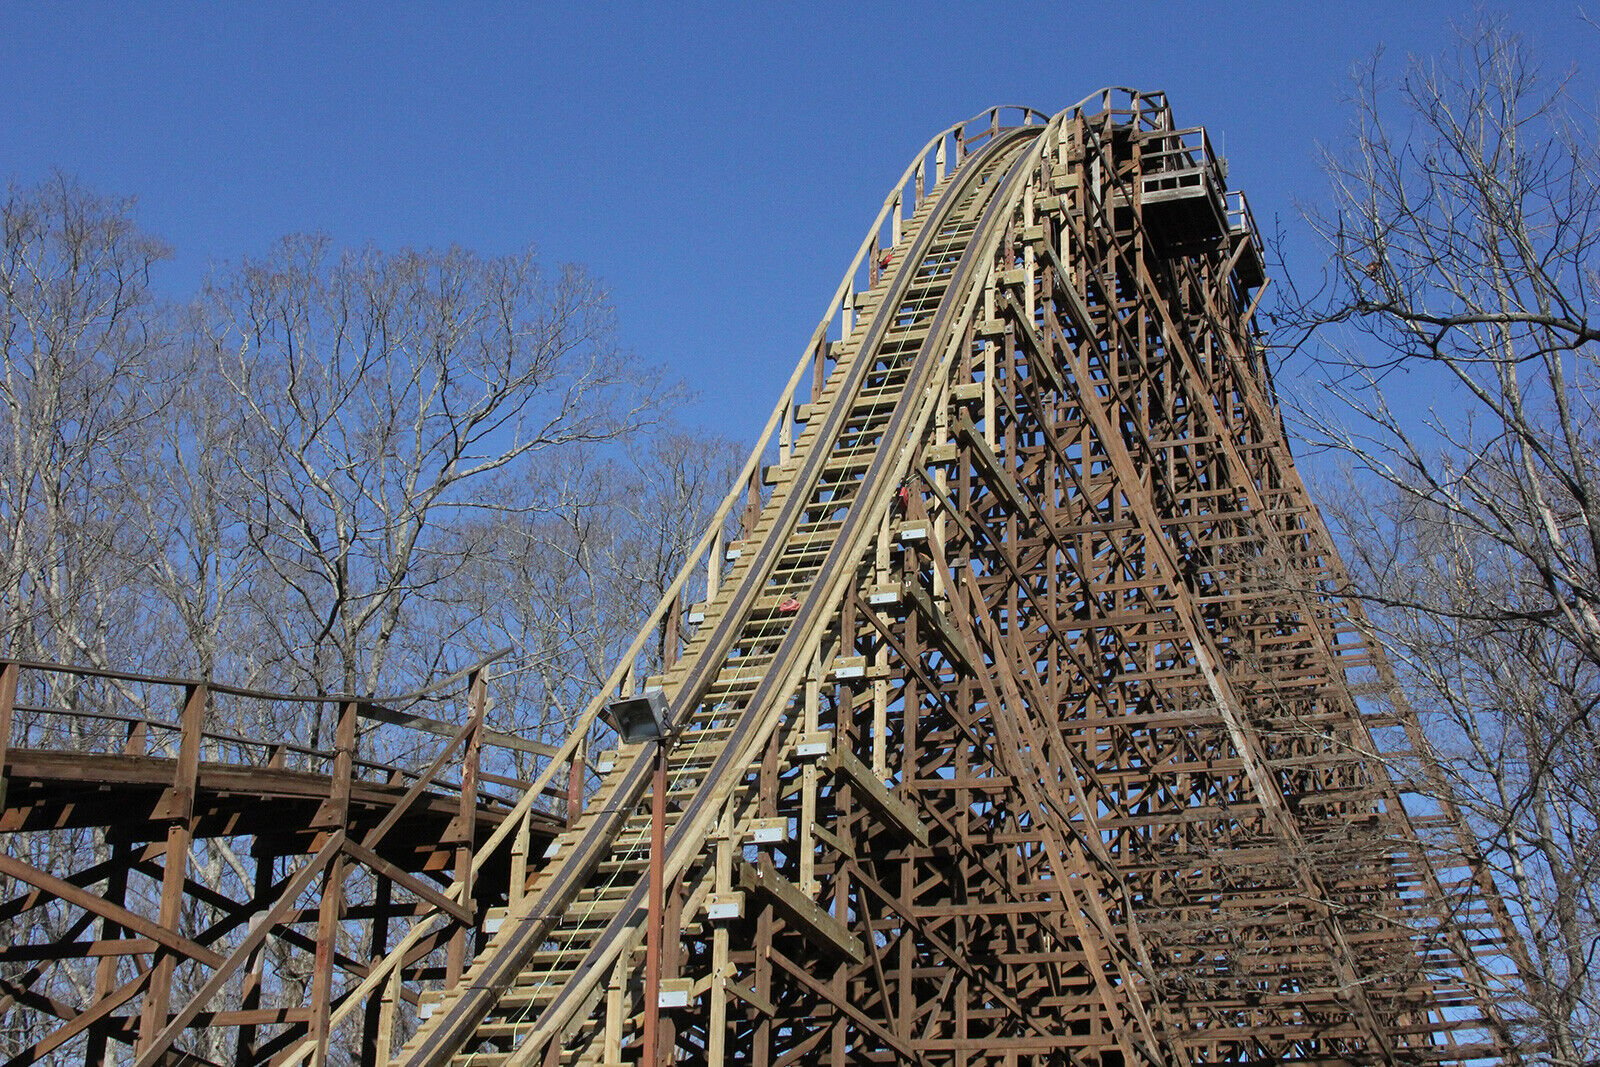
{"points": [[182, 888], [1022, 722]]}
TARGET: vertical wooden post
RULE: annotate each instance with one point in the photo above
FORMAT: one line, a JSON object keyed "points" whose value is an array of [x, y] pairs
{"points": [[138, 737], [671, 963], [721, 965], [105, 978], [520, 843], [8, 704], [714, 566], [250, 998], [752, 506], [178, 808], [372, 1023], [669, 625], [576, 770], [612, 1039], [465, 828], [331, 908], [761, 982], [384, 1045]]}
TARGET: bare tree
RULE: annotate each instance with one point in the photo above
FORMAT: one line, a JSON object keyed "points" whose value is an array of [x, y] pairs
{"points": [[80, 335], [381, 395], [333, 473], [82, 343], [569, 587], [1458, 324]]}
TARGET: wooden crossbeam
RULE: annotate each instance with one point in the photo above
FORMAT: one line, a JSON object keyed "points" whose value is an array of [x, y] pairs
{"points": [[81, 898], [822, 929], [876, 795]]}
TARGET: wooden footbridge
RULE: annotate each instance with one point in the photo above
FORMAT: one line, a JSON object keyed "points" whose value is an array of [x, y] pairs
{"points": [[1019, 722]]}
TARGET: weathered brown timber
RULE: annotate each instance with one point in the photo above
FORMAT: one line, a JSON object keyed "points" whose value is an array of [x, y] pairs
{"points": [[1023, 722], [1060, 758], [220, 896]]}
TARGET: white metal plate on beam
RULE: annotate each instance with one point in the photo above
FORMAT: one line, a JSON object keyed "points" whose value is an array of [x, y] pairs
{"points": [[723, 906], [810, 746], [769, 831], [847, 667], [675, 993]]}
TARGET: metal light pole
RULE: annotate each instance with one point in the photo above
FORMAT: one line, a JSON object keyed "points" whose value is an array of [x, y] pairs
{"points": [[649, 1053], [646, 718]]}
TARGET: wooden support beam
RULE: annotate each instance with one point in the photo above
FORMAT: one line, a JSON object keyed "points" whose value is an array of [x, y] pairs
{"points": [[177, 806], [877, 796], [157, 1044], [101, 1009], [1077, 309], [804, 976], [81, 898], [412, 883], [950, 640], [1043, 358], [8, 704], [72, 950], [994, 472], [803, 913]]}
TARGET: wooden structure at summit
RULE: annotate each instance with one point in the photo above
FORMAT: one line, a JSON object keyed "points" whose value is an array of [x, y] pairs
{"points": [[1018, 723]]}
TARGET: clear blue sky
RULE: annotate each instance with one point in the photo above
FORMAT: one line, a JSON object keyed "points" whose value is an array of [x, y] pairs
{"points": [[714, 164]]}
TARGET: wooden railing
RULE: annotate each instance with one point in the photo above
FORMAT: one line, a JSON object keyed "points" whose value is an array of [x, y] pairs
{"points": [[62, 708], [173, 740]]}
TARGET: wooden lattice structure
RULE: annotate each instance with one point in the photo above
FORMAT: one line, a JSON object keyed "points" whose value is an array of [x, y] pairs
{"points": [[191, 881], [1020, 723]]}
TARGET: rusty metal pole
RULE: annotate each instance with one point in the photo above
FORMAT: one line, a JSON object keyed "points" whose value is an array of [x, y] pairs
{"points": [[576, 768], [651, 1055]]}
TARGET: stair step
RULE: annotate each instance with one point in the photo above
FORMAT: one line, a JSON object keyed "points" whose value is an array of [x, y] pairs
{"points": [[852, 442]]}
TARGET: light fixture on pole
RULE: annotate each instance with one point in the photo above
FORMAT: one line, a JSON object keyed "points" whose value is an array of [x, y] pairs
{"points": [[640, 718], [643, 718]]}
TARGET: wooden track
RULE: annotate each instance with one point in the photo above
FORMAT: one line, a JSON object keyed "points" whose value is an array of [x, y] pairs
{"points": [[1021, 722], [730, 689], [1020, 725]]}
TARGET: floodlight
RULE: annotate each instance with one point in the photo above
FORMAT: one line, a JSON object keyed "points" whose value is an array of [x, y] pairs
{"points": [[640, 718]]}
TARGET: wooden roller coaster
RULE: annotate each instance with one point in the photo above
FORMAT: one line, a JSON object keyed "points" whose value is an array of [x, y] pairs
{"points": [[1020, 722]]}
